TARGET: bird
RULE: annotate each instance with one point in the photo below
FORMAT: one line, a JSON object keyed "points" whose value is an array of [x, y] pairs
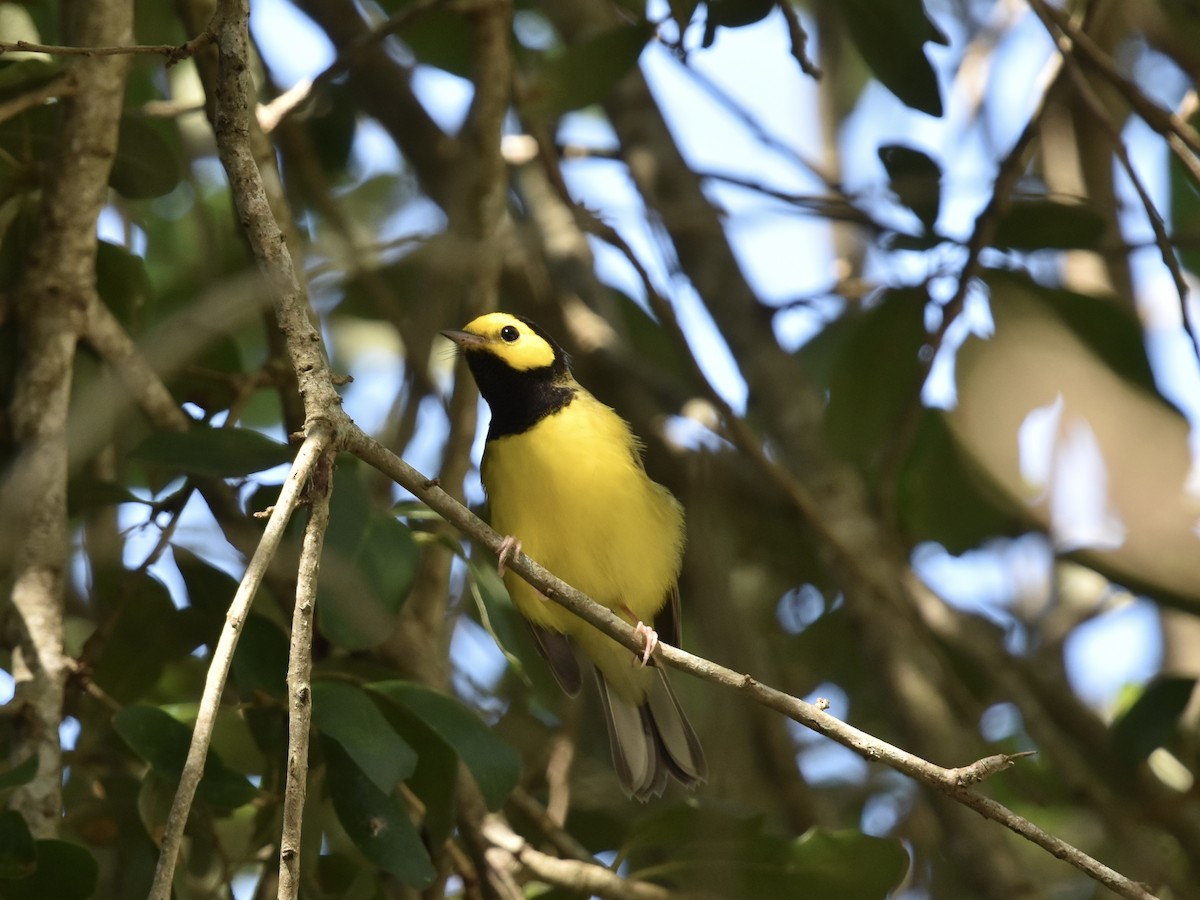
{"points": [[566, 485]]}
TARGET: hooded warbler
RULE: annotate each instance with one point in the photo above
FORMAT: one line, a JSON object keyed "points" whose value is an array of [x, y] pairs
{"points": [[565, 482]]}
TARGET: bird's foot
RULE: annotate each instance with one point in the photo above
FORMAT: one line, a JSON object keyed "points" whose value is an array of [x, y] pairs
{"points": [[510, 548], [650, 636]]}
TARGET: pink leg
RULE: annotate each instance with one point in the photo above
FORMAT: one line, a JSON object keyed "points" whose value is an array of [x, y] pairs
{"points": [[651, 638], [510, 548]]}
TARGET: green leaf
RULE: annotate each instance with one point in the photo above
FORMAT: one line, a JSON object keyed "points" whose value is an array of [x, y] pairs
{"points": [[1152, 719], [940, 496], [346, 713], [367, 568], [376, 822], [435, 779], [123, 283], [493, 763], [875, 377], [915, 179], [260, 662], [728, 14], [584, 73], [24, 75], [441, 38], [209, 591], [147, 633], [147, 163], [846, 864], [65, 871], [18, 852], [163, 741], [1185, 209], [890, 36], [211, 452], [22, 773], [1044, 224]]}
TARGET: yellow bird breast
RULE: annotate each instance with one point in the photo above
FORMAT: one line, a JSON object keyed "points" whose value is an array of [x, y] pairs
{"points": [[573, 492]]}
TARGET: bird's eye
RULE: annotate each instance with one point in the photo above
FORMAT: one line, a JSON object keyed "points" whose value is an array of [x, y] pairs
{"points": [[509, 333]]}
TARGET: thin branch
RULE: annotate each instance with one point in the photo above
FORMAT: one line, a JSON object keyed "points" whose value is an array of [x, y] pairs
{"points": [[947, 781], [799, 40], [173, 52], [299, 680], [319, 440], [61, 86], [584, 877]]}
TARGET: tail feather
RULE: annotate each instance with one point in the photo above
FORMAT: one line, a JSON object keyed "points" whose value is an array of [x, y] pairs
{"points": [[651, 741]]}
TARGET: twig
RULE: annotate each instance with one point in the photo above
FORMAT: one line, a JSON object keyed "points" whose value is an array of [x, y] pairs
{"points": [[799, 41], [59, 87], [319, 439], [299, 680], [587, 878], [173, 52], [946, 781]]}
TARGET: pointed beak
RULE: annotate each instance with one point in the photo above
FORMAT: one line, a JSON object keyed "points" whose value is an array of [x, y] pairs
{"points": [[465, 339]]}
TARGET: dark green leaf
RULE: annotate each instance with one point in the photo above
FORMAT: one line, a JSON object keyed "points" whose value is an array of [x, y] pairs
{"points": [[494, 764], [21, 773], [345, 713], [368, 566], [212, 452], [147, 164], [376, 822], [1152, 719], [18, 853], [21, 76], [733, 14], [1185, 209], [441, 38], [147, 633], [435, 780], [123, 283], [847, 864], [1043, 224], [584, 73], [260, 662], [876, 375], [890, 35], [209, 591], [915, 179], [87, 493], [940, 497], [163, 741], [65, 871]]}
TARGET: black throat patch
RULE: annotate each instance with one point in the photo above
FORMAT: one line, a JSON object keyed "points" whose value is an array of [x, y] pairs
{"points": [[519, 400]]}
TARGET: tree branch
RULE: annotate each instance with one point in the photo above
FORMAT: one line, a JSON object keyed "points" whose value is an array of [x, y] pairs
{"points": [[173, 52]]}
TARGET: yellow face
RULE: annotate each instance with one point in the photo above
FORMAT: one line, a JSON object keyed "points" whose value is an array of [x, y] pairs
{"points": [[514, 341]]}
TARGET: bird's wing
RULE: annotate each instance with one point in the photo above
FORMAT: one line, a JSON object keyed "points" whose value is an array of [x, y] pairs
{"points": [[556, 647]]}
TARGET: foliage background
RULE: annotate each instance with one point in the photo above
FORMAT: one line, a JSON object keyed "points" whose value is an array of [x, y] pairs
{"points": [[908, 340]]}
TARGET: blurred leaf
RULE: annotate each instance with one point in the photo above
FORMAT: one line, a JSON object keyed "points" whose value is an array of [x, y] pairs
{"points": [[1045, 224], [211, 452], [146, 634], [1152, 719], [22, 773], [890, 35], [347, 714], [1185, 209], [941, 497], [147, 162], [915, 179], [584, 73], [209, 590], [260, 662], [875, 378], [162, 741], [494, 764], [700, 847], [86, 493], [20, 76], [18, 853], [65, 871], [331, 123], [1105, 324], [376, 822], [123, 283], [440, 38], [368, 566]]}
